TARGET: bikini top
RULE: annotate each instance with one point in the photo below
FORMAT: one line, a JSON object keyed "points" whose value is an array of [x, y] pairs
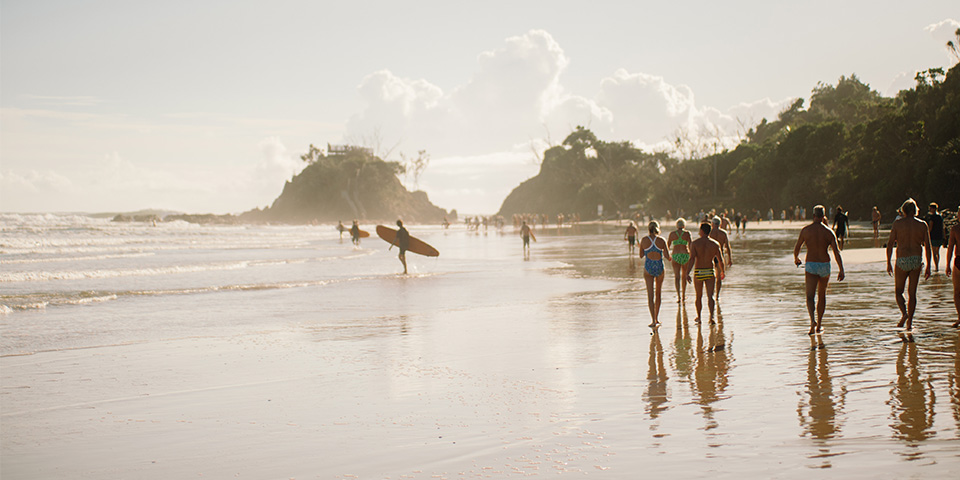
{"points": [[680, 240]]}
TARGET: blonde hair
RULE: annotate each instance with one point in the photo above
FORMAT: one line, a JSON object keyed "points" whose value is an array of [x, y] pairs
{"points": [[681, 223]]}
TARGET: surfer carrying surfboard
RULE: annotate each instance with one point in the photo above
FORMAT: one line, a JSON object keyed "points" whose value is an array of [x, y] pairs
{"points": [[403, 243]]}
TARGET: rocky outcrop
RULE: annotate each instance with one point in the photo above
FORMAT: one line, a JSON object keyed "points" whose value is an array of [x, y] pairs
{"points": [[352, 185]]}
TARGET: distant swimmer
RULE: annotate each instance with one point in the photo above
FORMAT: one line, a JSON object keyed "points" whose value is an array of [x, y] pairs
{"points": [[704, 252], [841, 223], [653, 247], [355, 233], [403, 243], [912, 238], [953, 253], [679, 242], [875, 221], [718, 233], [631, 237], [937, 239], [817, 237], [526, 233]]}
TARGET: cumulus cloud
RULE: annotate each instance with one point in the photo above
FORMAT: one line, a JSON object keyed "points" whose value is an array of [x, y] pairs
{"points": [[945, 31], [516, 96], [276, 166], [512, 96]]}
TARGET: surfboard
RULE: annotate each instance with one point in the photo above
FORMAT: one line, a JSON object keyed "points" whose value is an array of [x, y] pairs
{"points": [[363, 233], [389, 235]]}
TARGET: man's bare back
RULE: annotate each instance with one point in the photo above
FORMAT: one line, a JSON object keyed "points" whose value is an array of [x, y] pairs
{"points": [[910, 235], [818, 238], [719, 235], [702, 252]]}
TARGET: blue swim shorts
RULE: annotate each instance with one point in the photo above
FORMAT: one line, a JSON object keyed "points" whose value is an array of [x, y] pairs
{"points": [[820, 269]]}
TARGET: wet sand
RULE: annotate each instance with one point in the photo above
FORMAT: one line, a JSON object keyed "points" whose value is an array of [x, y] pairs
{"points": [[487, 364]]}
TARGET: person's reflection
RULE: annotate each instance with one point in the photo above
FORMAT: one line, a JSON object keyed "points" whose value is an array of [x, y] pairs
{"points": [[631, 267], [912, 398], [713, 365], [683, 345], [818, 411], [954, 379], [656, 377]]}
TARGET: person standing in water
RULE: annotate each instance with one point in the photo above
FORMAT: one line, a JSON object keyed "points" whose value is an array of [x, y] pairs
{"points": [[720, 236], [953, 253], [402, 241], [680, 255], [653, 247], [355, 233], [840, 225], [525, 234], [935, 223], [910, 235], [630, 235], [818, 237], [704, 251], [875, 220]]}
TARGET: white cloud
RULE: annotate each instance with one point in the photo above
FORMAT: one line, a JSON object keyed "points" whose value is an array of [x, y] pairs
{"points": [[944, 31]]}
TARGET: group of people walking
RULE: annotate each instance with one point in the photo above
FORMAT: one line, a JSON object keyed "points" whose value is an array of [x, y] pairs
{"points": [[703, 261]]}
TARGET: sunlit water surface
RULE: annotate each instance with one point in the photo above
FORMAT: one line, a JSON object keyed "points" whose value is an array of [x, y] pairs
{"points": [[132, 351]]}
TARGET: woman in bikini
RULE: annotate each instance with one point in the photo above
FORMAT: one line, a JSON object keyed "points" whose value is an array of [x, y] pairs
{"points": [[679, 242], [653, 247]]}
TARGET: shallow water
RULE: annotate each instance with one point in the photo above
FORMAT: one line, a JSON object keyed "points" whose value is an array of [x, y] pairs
{"points": [[282, 352]]}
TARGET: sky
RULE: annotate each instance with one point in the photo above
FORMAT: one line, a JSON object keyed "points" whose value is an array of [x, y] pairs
{"points": [[205, 107]]}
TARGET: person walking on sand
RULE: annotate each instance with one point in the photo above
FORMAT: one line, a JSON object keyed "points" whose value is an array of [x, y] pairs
{"points": [[679, 242], [720, 235], [630, 235], [953, 253], [875, 220], [817, 237], [341, 228], [402, 241], [653, 247], [840, 225], [937, 239], [525, 234], [912, 238], [704, 251]]}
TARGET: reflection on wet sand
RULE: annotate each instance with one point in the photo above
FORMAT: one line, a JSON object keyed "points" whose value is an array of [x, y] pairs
{"points": [[683, 346], [954, 379], [911, 400], [819, 405], [656, 394], [712, 371]]}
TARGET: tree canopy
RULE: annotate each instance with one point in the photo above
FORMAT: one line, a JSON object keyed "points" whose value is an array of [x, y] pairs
{"points": [[851, 147]]}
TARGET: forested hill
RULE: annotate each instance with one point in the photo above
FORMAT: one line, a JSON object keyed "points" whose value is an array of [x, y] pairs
{"points": [[850, 147], [347, 186]]}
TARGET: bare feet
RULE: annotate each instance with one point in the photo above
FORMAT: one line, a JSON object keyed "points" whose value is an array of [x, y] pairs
{"points": [[813, 330], [697, 320], [955, 325], [654, 325], [903, 320]]}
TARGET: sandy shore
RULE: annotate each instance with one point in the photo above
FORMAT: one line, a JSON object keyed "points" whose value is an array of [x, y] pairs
{"points": [[486, 365]]}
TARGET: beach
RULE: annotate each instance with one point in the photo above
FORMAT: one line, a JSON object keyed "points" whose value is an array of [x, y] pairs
{"points": [[185, 351]]}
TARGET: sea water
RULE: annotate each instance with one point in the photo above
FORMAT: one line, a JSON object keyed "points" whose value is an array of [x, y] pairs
{"points": [[176, 350]]}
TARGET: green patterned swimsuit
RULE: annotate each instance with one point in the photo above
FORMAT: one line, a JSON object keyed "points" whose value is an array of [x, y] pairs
{"points": [[681, 258]]}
